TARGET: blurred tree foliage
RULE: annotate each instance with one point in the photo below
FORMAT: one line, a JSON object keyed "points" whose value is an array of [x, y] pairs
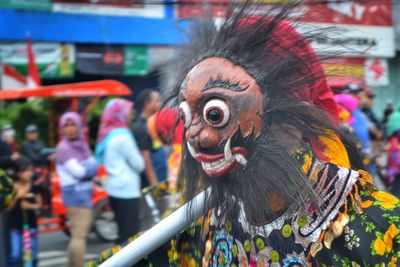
{"points": [[19, 114]]}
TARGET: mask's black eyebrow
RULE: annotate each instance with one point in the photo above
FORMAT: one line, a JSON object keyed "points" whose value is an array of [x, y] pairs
{"points": [[227, 84]]}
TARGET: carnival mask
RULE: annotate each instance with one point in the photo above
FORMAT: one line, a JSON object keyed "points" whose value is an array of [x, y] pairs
{"points": [[220, 100]]}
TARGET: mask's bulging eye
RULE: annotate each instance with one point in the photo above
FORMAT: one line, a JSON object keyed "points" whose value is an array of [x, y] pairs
{"points": [[185, 114], [216, 112]]}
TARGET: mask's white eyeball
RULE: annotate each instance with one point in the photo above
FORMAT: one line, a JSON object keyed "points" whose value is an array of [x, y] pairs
{"points": [[216, 112], [185, 114]]}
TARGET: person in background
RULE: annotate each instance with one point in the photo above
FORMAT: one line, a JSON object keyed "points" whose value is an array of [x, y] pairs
{"points": [[7, 194], [357, 122], [159, 152], [22, 217], [393, 152], [365, 96], [117, 150], [8, 136], [150, 102], [33, 148], [7, 157], [169, 130], [76, 168], [387, 112]]}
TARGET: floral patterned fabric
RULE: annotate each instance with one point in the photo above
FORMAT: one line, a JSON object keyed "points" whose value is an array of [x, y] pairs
{"points": [[371, 238], [358, 226], [7, 191]]}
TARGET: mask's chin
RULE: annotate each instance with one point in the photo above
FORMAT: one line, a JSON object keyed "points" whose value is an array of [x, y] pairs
{"points": [[215, 165]]}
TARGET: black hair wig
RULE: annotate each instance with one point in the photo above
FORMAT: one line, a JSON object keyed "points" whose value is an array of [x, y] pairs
{"points": [[290, 76]]}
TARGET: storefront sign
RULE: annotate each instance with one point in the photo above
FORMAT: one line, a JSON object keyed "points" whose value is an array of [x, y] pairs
{"points": [[53, 60], [112, 60], [135, 62], [131, 8], [372, 71], [351, 28], [92, 59]]}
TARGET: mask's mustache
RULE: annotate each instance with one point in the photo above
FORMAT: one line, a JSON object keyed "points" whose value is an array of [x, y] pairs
{"points": [[228, 155]]}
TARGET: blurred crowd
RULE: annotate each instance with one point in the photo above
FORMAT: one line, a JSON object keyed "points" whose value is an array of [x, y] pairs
{"points": [[137, 150], [27, 165], [140, 150], [377, 139]]}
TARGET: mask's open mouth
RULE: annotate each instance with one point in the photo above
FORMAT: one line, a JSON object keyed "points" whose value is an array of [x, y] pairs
{"points": [[219, 164]]}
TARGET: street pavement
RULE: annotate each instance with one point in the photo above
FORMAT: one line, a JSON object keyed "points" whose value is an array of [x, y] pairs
{"points": [[53, 249]]}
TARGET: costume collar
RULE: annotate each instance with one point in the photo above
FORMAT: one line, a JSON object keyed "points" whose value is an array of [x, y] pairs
{"points": [[332, 184]]}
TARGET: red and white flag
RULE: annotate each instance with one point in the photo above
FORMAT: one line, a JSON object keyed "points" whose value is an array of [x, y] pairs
{"points": [[11, 78], [33, 72]]}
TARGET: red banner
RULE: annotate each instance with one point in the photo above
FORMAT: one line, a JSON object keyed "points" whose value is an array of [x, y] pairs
{"points": [[372, 13], [376, 13]]}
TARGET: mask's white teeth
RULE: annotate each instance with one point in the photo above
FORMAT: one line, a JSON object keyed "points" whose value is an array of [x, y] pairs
{"points": [[191, 150], [227, 151], [241, 159]]}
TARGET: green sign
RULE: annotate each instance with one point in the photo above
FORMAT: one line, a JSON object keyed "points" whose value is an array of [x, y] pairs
{"points": [[135, 60]]}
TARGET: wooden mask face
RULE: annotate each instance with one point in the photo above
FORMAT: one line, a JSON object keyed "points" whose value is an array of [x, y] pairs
{"points": [[220, 100]]}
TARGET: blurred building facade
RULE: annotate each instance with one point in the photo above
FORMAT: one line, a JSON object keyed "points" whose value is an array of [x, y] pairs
{"points": [[129, 39]]}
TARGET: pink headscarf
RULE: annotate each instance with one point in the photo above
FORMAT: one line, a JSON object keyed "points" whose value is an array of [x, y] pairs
{"points": [[349, 102], [72, 149], [115, 116]]}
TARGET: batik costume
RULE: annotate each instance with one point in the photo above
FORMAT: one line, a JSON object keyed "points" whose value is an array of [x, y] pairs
{"points": [[262, 132]]}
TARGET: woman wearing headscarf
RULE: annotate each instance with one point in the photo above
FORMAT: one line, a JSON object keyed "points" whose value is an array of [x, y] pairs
{"points": [[358, 123], [118, 151], [76, 168]]}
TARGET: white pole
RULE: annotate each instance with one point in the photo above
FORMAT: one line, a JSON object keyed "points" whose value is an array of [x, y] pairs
{"points": [[158, 234]]}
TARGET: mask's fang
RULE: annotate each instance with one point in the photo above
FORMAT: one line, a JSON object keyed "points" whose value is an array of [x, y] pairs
{"points": [[241, 159], [191, 150], [227, 151]]}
